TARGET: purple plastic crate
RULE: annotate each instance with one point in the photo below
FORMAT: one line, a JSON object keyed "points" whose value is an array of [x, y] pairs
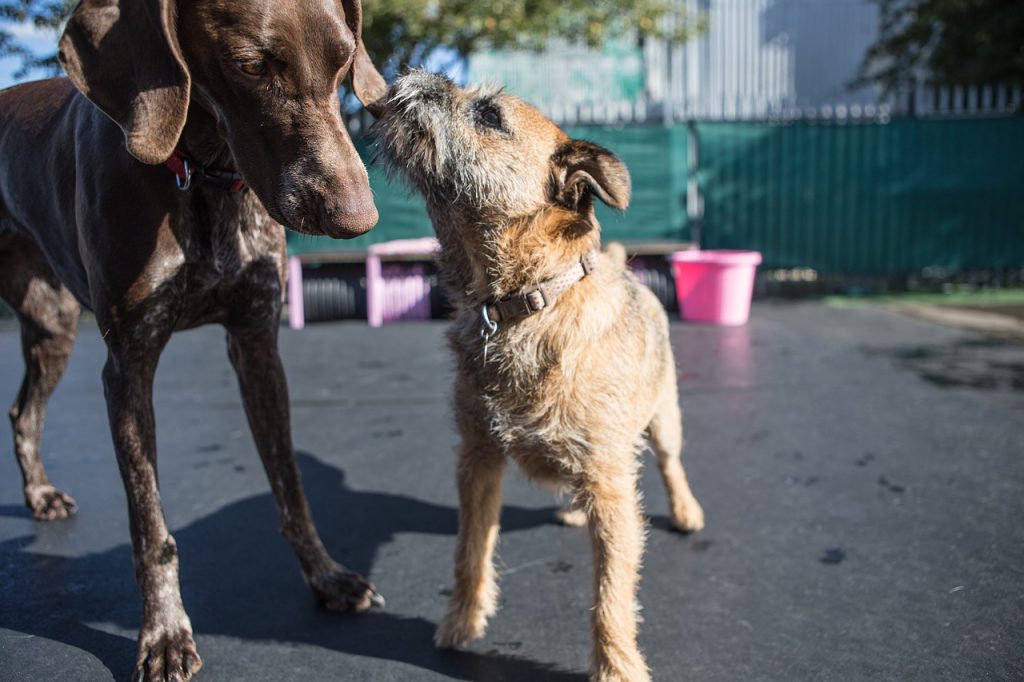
{"points": [[405, 291], [398, 290]]}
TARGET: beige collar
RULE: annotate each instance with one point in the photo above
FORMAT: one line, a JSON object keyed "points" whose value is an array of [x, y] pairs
{"points": [[543, 295], [535, 300]]}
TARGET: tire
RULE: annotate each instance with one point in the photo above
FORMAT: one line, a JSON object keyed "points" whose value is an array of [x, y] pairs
{"points": [[440, 307], [334, 292], [656, 274]]}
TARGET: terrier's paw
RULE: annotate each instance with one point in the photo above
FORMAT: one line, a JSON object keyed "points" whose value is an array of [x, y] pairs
{"points": [[341, 590], [166, 655], [48, 504], [572, 517], [626, 669], [458, 628], [688, 518]]}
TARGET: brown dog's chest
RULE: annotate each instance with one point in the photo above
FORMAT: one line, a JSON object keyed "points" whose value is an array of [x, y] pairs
{"points": [[223, 265]]}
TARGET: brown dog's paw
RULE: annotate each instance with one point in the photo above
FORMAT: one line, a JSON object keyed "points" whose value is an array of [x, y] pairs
{"points": [[48, 504], [576, 518], [342, 590], [688, 518], [457, 628], [166, 656]]}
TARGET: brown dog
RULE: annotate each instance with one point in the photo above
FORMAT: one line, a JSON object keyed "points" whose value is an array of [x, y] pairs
{"points": [[563, 358], [87, 216]]}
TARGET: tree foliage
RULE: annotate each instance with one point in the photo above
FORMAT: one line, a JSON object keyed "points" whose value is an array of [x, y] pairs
{"points": [[43, 14], [400, 33], [946, 42]]}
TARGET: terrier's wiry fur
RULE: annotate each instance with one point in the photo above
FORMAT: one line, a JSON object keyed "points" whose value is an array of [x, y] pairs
{"points": [[568, 393]]}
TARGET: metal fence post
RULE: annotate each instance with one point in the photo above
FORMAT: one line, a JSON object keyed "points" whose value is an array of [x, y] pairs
{"points": [[694, 199]]}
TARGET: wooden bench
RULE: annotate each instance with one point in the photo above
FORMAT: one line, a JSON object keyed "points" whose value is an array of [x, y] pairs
{"points": [[646, 259]]}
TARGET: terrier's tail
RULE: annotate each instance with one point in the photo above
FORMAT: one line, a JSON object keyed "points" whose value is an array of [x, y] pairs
{"points": [[617, 252]]}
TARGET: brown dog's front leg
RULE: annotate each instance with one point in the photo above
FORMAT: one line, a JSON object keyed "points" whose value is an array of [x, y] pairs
{"points": [[475, 597], [264, 389], [166, 648]]}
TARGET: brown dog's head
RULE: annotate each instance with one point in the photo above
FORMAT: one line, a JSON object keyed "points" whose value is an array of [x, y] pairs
{"points": [[267, 71], [488, 156]]}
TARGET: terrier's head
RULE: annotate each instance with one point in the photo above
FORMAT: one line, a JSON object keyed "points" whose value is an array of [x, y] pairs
{"points": [[482, 158]]}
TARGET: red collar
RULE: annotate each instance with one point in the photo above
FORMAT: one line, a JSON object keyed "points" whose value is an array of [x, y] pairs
{"points": [[186, 172]]}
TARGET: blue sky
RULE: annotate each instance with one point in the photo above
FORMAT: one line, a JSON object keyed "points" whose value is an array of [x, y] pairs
{"points": [[40, 41]]}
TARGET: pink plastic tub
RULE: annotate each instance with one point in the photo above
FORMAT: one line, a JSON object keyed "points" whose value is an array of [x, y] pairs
{"points": [[715, 286]]}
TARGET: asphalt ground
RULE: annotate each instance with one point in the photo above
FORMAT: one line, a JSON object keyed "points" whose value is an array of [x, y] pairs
{"points": [[862, 474]]}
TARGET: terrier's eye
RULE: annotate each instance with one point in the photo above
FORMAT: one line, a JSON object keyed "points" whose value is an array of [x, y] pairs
{"points": [[488, 116], [252, 67]]}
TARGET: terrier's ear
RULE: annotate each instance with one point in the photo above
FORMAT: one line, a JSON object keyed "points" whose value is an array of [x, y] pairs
{"points": [[590, 170]]}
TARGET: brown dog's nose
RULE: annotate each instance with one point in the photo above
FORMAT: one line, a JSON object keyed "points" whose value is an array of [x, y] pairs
{"points": [[343, 224], [349, 215]]}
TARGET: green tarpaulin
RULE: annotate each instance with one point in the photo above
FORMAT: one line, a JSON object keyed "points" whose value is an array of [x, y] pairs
{"points": [[859, 198]]}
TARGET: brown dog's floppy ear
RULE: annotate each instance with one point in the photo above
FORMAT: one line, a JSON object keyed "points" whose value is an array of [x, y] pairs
{"points": [[125, 57], [590, 168], [367, 82]]}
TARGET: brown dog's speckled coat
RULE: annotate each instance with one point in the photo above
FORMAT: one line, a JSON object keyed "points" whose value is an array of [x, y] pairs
{"points": [[567, 393], [89, 216]]}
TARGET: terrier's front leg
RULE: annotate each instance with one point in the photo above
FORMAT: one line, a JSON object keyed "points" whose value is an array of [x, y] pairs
{"points": [[617, 538], [475, 597], [572, 514]]}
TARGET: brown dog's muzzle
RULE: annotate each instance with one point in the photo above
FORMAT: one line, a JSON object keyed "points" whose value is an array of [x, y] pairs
{"points": [[344, 202], [342, 213], [322, 189], [350, 211]]}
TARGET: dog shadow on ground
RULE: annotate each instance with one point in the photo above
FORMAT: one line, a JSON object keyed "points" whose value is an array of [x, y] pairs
{"points": [[239, 579]]}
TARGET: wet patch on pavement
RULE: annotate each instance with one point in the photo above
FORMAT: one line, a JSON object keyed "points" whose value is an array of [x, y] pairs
{"points": [[966, 363], [890, 486]]}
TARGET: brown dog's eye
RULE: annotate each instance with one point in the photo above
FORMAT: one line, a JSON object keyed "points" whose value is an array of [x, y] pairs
{"points": [[488, 116], [254, 67]]}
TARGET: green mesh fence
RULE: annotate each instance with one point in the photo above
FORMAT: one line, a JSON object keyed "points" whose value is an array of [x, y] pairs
{"points": [[861, 198], [867, 198], [655, 155]]}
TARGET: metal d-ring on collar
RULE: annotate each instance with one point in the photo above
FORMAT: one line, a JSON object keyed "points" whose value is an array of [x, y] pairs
{"points": [[184, 181], [185, 171], [489, 328], [533, 301]]}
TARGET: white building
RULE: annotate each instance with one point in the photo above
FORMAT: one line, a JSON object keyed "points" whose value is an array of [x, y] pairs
{"points": [[757, 59]]}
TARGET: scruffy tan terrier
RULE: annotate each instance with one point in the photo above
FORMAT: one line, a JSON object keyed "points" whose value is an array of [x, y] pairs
{"points": [[563, 358]]}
